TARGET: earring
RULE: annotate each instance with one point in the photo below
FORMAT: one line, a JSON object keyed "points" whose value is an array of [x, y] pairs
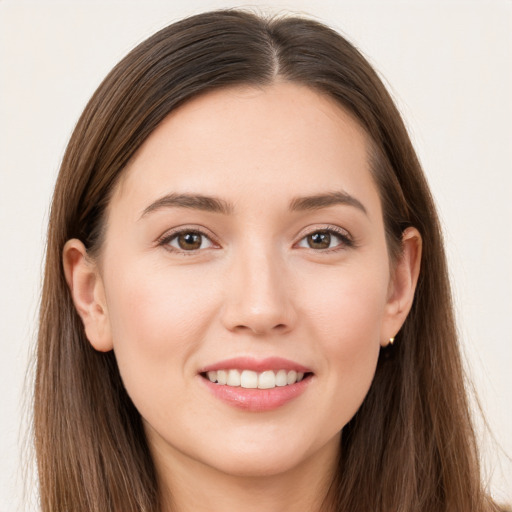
{"points": [[391, 341]]}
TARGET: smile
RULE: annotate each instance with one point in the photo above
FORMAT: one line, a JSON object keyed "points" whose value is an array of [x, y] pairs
{"points": [[249, 379], [256, 385]]}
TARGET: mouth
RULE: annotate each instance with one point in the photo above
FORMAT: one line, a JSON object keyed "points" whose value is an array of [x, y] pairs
{"points": [[256, 385], [250, 379]]}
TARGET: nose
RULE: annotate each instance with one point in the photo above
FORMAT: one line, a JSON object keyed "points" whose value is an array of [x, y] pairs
{"points": [[259, 295]]}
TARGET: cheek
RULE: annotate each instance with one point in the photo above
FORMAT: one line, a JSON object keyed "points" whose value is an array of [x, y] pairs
{"points": [[350, 306], [346, 320], [158, 319], [156, 309]]}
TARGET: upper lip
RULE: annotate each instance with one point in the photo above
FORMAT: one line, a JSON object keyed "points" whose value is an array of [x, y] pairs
{"points": [[256, 365]]}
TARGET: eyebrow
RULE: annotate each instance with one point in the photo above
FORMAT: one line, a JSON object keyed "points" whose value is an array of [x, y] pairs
{"points": [[193, 201], [318, 201], [217, 205]]}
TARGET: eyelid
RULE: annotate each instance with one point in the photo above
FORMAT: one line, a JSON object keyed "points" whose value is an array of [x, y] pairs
{"points": [[343, 234], [164, 239]]}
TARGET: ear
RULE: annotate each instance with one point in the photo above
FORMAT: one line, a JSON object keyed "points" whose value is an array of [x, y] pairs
{"points": [[402, 285], [87, 291]]}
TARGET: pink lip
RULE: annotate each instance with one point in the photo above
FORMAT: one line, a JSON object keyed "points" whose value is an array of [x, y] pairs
{"points": [[256, 400], [256, 365]]}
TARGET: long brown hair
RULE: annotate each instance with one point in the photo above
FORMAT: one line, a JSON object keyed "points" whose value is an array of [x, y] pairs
{"points": [[411, 445]]}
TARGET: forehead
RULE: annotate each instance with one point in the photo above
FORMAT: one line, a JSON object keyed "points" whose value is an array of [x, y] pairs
{"points": [[277, 141]]}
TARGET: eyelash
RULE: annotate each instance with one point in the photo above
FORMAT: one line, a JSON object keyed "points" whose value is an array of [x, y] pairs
{"points": [[346, 240], [167, 238]]}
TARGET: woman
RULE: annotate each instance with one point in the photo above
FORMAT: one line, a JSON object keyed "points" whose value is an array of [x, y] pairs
{"points": [[246, 300]]}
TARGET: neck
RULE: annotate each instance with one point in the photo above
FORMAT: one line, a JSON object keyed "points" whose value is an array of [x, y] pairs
{"points": [[191, 486]]}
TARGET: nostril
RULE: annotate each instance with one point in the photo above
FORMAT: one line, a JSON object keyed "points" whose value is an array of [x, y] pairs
{"points": [[260, 328]]}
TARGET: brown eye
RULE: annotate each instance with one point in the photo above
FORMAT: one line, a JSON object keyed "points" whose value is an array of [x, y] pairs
{"points": [[319, 240], [188, 241], [326, 239]]}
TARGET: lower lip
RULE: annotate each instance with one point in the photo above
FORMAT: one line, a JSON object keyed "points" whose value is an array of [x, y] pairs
{"points": [[257, 400]]}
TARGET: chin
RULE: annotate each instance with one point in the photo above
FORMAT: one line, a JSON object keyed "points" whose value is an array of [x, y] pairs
{"points": [[258, 465], [270, 459]]}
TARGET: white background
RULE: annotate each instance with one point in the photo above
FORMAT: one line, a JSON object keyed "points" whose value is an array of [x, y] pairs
{"points": [[449, 66]]}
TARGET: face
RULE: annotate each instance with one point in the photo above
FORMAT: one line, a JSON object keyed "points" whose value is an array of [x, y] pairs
{"points": [[245, 247]]}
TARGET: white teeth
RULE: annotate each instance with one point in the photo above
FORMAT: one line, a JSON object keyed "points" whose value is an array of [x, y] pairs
{"points": [[291, 377], [281, 378], [252, 380], [267, 380], [249, 379], [222, 376], [233, 378]]}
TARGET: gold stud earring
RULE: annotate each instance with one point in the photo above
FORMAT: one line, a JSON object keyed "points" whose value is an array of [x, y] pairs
{"points": [[391, 341]]}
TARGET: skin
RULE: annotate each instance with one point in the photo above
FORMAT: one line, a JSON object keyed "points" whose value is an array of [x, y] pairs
{"points": [[256, 287]]}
